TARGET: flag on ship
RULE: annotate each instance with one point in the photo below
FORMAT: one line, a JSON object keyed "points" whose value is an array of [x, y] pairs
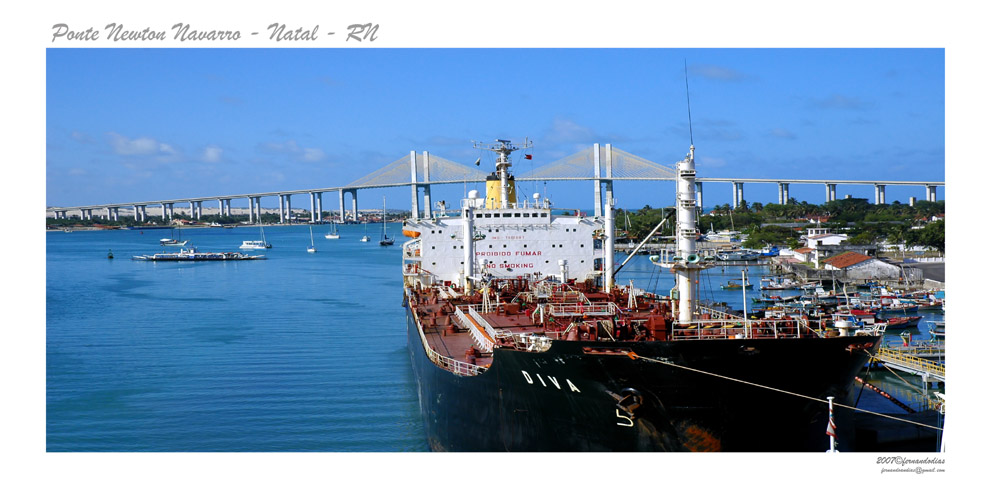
{"points": [[831, 426]]}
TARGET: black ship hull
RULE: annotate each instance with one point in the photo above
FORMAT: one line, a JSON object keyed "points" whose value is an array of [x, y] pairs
{"points": [[651, 396]]}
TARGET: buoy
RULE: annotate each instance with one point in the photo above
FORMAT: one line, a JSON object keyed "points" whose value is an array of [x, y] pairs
{"points": [[110, 254]]}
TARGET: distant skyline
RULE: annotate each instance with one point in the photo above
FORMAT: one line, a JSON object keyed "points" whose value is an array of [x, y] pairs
{"points": [[140, 124]]}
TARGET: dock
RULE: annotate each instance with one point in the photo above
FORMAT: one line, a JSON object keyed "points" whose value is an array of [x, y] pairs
{"points": [[916, 365]]}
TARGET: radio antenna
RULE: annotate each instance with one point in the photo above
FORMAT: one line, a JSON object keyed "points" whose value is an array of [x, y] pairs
{"points": [[688, 108]]}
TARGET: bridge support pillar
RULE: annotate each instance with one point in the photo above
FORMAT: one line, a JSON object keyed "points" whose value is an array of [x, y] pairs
{"points": [[414, 203], [932, 193], [341, 206], [597, 185], [313, 207], [831, 192], [880, 194], [320, 206], [282, 212], [354, 205], [738, 193], [427, 186], [608, 183], [783, 193]]}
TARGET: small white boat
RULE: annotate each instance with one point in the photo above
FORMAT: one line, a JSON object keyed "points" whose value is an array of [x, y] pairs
{"points": [[386, 240], [333, 234], [311, 248], [366, 237], [172, 242], [256, 244]]}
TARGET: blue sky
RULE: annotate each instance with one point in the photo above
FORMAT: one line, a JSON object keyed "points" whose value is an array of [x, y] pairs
{"points": [[139, 124]]}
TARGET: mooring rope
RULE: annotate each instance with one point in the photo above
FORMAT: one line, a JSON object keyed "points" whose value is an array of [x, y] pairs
{"points": [[635, 356]]}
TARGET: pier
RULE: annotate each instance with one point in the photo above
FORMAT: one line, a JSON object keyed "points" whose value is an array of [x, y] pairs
{"points": [[903, 361]]}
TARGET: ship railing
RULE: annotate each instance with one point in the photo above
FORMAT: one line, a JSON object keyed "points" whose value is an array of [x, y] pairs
{"points": [[453, 365], [484, 341], [450, 364], [738, 329], [720, 315], [580, 309]]}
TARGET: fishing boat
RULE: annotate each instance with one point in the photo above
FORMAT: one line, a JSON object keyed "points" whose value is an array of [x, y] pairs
{"points": [[936, 328], [385, 240], [902, 322], [311, 248], [737, 255], [256, 244], [521, 340], [333, 233], [193, 255], [736, 285], [778, 284]]}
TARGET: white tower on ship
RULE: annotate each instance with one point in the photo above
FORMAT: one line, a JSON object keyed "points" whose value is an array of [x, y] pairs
{"points": [[686, 264]]}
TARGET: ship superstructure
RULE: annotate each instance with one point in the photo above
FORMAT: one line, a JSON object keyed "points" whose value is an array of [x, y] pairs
{"points": [[521, 340]]}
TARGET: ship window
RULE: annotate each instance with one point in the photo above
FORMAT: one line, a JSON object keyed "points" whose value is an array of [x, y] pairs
{"points": [[490, 246], [582, 245], [516, 215], [432, 247], [525, 245], [454, 247], [489, 215], [544, 214], [477, 215], [527, 214]]}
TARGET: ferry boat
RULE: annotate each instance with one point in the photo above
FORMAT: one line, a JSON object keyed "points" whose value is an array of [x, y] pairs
{"points": [[521, 340], [193, 255]]}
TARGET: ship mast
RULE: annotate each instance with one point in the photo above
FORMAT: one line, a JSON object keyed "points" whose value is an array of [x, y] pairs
{"points": [[503, 148], [686, 264]]}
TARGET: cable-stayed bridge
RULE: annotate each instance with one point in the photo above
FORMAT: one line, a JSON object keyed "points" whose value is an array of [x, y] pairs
{"points": [[602, 165]]}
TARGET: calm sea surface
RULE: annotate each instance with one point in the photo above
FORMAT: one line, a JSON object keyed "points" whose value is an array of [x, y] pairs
{"points": [[299, 352]]}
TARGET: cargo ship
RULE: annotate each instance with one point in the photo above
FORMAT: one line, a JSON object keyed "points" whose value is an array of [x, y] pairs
{"points": [[522, 340]]}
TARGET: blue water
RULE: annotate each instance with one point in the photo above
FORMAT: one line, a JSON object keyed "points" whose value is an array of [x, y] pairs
{"points": [[299, 352]]}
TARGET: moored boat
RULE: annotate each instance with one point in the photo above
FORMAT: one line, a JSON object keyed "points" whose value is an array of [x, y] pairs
{"points": [[256, 244], [193, 255]]}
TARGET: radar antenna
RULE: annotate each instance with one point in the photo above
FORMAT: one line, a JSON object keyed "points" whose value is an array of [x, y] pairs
{"points": [[685, 68]]}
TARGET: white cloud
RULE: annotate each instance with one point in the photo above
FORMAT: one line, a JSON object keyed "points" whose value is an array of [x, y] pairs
{"points": [[312, 154], [564, 131], [293, 149], [138, 147], [212, 154]]}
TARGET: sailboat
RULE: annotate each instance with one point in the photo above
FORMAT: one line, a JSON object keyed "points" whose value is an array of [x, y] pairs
{"points": [[172, 242], [311, 248], [256, 244], [366, 237], [386, 240], [333, 234]]}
